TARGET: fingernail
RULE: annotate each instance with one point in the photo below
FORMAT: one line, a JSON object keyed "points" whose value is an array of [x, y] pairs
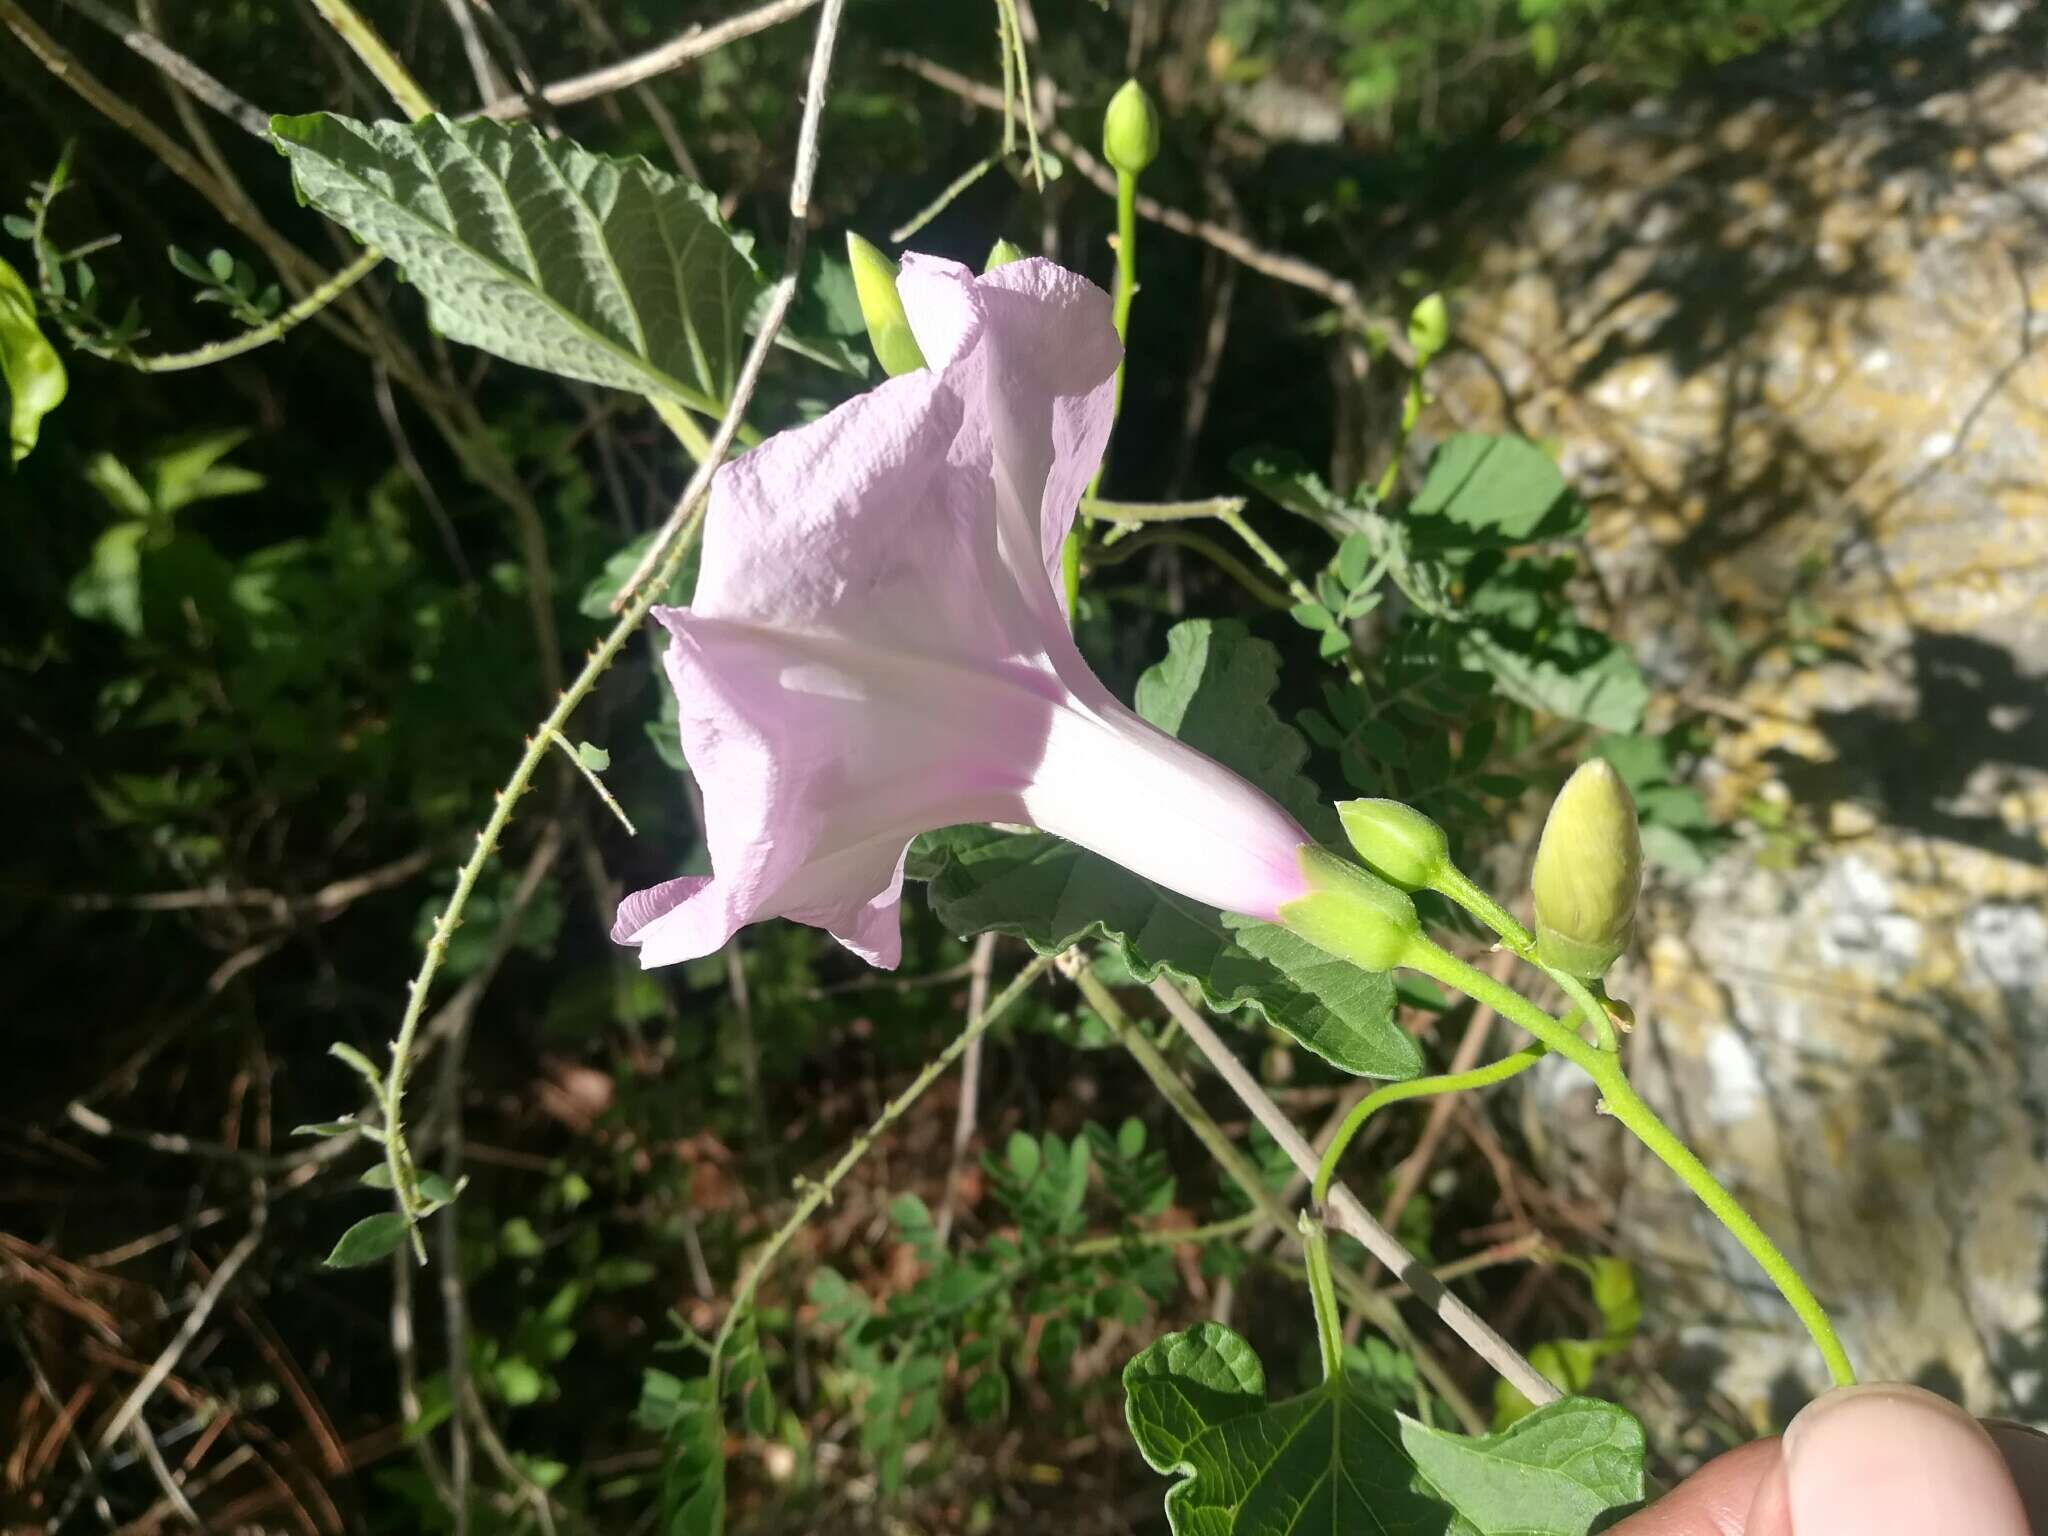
{"points": [[1899, 1461], [2026, 1456]]}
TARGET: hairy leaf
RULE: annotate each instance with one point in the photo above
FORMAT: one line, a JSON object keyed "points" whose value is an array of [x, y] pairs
{"points": [[1337, 1460], [598, 268], [1486, 491], [1213, 690], [32, 379]]}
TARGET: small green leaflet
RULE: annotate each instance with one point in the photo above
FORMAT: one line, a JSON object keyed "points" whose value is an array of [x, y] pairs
{"points": [[685, 1413], [1213, 690], [373, 1238], [32, 378], [1335, 1461], [597, 268]]}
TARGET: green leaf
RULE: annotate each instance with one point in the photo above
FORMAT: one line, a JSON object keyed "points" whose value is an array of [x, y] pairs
{"points": [[1576, 674], [686, 1415], [1337, 1460], [1213, 690], [592, 756], [1286, 479], [32, 377], [596, 601], [1484, 491], [600, 269], [372, 1238], [365, 1068]]}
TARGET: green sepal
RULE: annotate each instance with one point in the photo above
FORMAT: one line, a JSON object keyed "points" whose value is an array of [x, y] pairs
{"points": [[1351, 914]]}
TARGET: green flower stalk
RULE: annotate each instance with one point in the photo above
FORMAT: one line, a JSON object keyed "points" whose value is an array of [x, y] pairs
{"points": [[1589, 871], [874, 284]]}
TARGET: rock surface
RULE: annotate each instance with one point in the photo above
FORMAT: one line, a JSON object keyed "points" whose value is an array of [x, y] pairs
{"points": [[1790, 337]]}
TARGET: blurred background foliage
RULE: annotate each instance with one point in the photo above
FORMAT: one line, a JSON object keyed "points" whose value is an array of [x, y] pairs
{"points": [[272, 632]]}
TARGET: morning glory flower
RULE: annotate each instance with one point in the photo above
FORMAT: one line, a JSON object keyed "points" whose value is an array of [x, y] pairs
{"points": [[877, 645]]}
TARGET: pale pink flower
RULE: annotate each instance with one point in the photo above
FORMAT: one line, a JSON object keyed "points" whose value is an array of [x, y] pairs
{"points": [[877, 647]]}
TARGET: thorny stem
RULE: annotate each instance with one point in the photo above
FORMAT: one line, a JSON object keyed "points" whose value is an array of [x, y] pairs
{"points": [[1626, 1105], [1415, 1088], [818, 1192]]}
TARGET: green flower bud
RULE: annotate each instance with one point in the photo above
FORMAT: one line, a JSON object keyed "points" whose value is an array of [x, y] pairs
{"points": [[1589, 869], [1396, 841], [1429, 327], [1351, 914], [1130, 129], [1001, 254], [874, 284]]}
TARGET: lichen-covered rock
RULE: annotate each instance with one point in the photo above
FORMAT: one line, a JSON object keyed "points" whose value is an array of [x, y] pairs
{"points": [[1790, 337]]}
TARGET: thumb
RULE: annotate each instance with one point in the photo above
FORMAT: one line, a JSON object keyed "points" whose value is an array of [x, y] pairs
{"points": [[1886, 1459]]}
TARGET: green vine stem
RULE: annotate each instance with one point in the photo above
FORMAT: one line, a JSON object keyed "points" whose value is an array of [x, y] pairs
{"points": [[1371, 1304], [1416, 1088], [1626, 1105], [1120, 312], [817, 1192], [261, 336], [1106, 554], [1455, 885], [1315, 1254]]}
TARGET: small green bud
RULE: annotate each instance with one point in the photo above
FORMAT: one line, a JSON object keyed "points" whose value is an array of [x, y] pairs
{"points": [[1351, 914], [1001, 254], [1429, 327], [1589, 870], [1396, 841], [1130, 129], [874, 284]]}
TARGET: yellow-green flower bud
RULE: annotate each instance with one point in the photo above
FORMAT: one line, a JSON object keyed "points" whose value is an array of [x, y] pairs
{"points": [[1351, 914], [1429, 327], [1396, 841], [1130, 129], [1001, 254], [874, 284], [1589, 869]]}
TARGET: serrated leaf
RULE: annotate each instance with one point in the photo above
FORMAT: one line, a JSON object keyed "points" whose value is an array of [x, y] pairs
{"points": [[600, 269], [1213, 691], [1484, 491], [32, 378], [373, 1238], [1336, 1460]]}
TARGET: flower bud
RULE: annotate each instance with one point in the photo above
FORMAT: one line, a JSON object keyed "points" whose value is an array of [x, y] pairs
{"points": [[1589, 869], [1351, 914], [1429, 327], [1001, 254], [1397, 842], [874, 284], [1130, 129]]}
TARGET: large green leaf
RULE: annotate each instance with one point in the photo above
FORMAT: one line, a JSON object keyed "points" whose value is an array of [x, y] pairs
{"points": [[598, 268], [1335, 1461], [1485, 491], [1213, 690], [1574, 673], [32, 379]]}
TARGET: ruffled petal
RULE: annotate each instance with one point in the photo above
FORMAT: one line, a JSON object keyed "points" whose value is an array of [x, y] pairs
{"points": [[1032, 349]]}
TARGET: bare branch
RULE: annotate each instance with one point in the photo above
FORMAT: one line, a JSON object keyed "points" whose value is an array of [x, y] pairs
{"points": [[175, 65], [1277, 265], [672, 55], [1352, 1217]]}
